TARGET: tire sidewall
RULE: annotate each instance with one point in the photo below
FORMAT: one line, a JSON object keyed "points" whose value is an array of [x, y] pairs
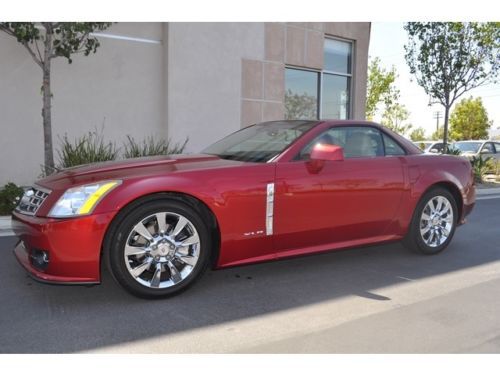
{"points": [[117, 263], [417, 237]]}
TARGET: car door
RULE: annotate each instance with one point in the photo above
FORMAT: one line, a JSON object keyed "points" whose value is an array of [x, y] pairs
{"points": [[348, 200], [496, 146]]}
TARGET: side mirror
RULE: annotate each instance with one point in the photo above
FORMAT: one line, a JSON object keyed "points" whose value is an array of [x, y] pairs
{"points": [[327, 153], [485, 151]]}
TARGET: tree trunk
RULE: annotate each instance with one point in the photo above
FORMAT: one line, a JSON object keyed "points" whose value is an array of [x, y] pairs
{"points": [[46, 111], [445, 132]]}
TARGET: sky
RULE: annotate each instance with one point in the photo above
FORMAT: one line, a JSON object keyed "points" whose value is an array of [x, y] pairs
{"points": [[387, 42]]}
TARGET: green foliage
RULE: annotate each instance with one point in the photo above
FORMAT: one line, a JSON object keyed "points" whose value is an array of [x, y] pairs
{"points": [[9, 196], [380, 87], [438, 134], [300, 107], [453, 151], [93, 148], [90, 148], [151, 146], [450, 58], [496, 168], [65, 38], [469, 120], [481, 167], [418, 134], [394, 118]]}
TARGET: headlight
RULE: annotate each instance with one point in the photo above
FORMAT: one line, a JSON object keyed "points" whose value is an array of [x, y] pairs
{"points": [[81, 200]]}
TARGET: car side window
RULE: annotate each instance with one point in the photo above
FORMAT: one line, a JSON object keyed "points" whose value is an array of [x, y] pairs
{"points": [[437, 148], [497, 148], [356, 141], [391, 147], [488, 148]]}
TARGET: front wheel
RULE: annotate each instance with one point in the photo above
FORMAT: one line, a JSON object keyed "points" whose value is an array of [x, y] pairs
{"points": [[433, 223], [159, 249]]}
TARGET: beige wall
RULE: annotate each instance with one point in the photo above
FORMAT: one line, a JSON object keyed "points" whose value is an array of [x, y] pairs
{"points": [[119, 86], [299, 44], [196, 80], [360, 33], [204, 78]]}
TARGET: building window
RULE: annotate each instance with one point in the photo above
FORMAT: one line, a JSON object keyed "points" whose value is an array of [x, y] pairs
{"points": [[302, 94], [311, 94]]}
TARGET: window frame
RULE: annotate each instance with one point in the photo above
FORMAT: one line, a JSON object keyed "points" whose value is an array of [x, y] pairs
{"points": [[488, 145], [349, 76], [322, 72], [382, 134]]}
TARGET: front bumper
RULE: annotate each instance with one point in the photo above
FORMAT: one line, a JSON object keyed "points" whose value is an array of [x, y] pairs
{"points": [[73, 246]]}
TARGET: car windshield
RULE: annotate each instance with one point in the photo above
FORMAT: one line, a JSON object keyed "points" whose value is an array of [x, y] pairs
{"points": [[467, 146], [260, 142]]}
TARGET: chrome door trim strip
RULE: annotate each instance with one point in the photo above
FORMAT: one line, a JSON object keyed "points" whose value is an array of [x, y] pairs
{"points": [[269, 209]]}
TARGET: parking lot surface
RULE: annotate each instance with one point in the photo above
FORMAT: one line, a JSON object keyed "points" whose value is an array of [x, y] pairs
{"points": [[373, 299]]}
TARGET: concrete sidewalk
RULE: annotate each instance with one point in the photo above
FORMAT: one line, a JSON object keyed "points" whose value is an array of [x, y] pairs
{"points": [[6, 230], [488, 191], [5, 226]]}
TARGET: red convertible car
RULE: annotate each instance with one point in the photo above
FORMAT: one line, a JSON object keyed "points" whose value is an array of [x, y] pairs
{"points": [[269, 191]]}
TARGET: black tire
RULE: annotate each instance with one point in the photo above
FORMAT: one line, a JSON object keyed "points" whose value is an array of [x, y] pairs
{"points": [[414, 239], [119, 235]]}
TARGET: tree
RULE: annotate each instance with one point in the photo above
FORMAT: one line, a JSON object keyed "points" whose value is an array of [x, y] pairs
{"points": [[394, 118], [469, 120], [450, 58], [438, 134], [418, 134], [380, 87], [45, 41], [298, 107]]}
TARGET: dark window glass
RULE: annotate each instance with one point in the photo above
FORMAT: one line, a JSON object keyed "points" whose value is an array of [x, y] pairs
{"points": [[488, 148], [301, 94], [260, 142], [338, 56], [392, 148], [335, 97], [356, 141]]}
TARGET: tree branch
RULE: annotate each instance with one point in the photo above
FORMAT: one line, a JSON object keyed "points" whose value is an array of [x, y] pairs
{"points": [[39, 62]]}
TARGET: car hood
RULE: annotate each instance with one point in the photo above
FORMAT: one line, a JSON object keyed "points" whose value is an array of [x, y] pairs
{"points": [[133, 168]]}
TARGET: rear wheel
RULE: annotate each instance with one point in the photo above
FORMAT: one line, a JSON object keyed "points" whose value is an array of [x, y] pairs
{"points": [[159, 249], [434, 222]]}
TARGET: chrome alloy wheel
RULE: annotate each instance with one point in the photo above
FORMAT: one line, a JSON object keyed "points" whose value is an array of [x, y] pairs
{"points": [[162, 250], [436, 221]]}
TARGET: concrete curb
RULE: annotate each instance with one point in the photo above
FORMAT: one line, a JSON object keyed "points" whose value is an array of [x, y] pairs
{"points": [[488, 191], [5, 226]]}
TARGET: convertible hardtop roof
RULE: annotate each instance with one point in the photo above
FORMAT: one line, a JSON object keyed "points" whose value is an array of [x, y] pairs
{"points": [[406, 143], [325, 122]]}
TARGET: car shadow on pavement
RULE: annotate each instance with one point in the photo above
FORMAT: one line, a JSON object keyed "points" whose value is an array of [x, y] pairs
{"points": [[40, 318]]}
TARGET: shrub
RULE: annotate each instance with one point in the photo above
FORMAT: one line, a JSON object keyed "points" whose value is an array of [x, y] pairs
{"points": [[481, 167], [453, 151], [151, 146], [9, 196], [90, 148]]}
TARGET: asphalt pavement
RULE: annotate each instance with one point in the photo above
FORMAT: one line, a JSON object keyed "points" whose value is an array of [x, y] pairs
{"points": [[381, 299]]}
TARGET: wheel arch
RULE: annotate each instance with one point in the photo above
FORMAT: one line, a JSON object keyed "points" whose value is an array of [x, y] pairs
{"points": [[197, 204], [454, 191]]}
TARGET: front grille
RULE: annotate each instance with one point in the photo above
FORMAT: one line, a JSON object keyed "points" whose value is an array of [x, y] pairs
{"points": [[32, 200]]}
